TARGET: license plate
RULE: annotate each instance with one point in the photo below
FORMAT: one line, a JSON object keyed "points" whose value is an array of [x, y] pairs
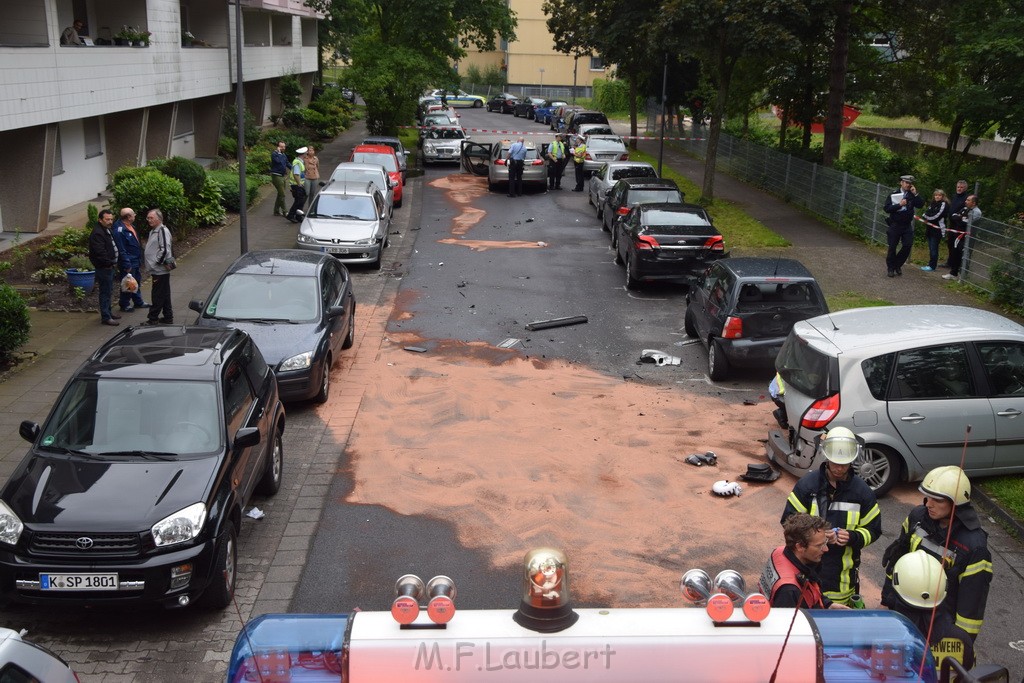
{"points": [[78, 582], [337, 250]]}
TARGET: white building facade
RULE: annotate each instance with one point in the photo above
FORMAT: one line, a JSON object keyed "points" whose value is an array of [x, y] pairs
{"points": [[70, 116]]}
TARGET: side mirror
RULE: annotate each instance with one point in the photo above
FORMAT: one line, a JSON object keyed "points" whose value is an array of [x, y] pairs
{"points": [[322, 183], [336, 311], [196, 305], [392, 182], [299, 214], [29, 431], [247, 437]]}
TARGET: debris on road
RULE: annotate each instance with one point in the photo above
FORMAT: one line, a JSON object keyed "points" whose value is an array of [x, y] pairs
{"points": [[749, 402], [509, 343], [529, 220], [556, 322], [658, 358], [726, 488], [701, 459], [255, 513], [416, 349], [762, 472], [462, 284]]}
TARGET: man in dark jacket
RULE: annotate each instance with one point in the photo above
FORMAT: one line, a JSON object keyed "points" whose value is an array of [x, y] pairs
{"points": [[835, 493], [103, 255], [946, 510], [129, 260], [901, 223]]}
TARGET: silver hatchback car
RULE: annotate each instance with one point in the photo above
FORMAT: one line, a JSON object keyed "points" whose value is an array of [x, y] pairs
{"points": [[349, 220], [921, 385]]}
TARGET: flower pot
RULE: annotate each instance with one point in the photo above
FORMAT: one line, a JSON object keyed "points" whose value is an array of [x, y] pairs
{"points": [[86, 279], [131, 43]]}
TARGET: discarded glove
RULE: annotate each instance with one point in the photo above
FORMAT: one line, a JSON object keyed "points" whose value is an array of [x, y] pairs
{"points": [[726, 488], [695, 459]]}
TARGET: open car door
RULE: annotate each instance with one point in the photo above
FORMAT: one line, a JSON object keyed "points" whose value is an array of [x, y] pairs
{"points": [[476, 156]]}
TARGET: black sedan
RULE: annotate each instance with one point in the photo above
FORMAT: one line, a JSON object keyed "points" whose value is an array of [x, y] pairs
{"points": [[298, 306], [666, 242], [527, 106], [742, 310], [503, 102]]}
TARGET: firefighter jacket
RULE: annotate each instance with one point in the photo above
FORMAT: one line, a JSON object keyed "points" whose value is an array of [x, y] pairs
{"points": [[947, 639], [968, 562], [788, 582], [851, 505]]}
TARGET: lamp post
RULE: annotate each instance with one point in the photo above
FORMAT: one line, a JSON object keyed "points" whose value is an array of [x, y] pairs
{"points": [[575, 63], [243, 230], [541, 80]]}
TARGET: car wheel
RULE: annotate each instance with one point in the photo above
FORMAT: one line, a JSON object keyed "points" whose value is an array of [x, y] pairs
{"points": [[632, 282], [221, 590], [477, 104], [350, 336], [376, 263], [325, 382], [398, 204], [688, 326], [271, 480], [590, 197], [879, 467], [615, 245], [718, 364]]}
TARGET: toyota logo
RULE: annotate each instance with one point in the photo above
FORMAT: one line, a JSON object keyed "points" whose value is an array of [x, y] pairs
{"points": [[83, 543]]}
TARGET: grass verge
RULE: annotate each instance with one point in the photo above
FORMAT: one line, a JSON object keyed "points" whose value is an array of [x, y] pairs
{"points": [[740, 230], [844, 300], [1008, 492]]}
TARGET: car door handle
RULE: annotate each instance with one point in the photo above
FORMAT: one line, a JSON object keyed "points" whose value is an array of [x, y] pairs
{"points": [[1010, 412], [913, 417]]}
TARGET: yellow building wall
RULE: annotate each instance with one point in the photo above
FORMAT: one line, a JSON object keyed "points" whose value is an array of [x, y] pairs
{"points": [[533, 50]]}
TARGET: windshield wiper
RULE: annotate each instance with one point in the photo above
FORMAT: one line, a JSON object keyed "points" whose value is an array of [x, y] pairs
{"points": [[270, 321], [74, 451], [346, 215], [221, 317], [150, 455]]}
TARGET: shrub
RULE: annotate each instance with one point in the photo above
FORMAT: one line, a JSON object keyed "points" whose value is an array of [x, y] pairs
{"points": [[80, 262], [611, 95], [207, 207], [14, 321], [191, 174], [227, 147], [230, 125], [93, 213], [148, 189], [293, 118], [228, 182], [257, 160], [866, 158], [291, 91], [50, 275], [69, 243]]}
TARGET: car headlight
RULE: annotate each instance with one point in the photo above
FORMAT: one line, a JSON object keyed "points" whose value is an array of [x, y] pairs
{"points": [[365, 243], [305, 239], [10, 526], [182, 526], [428, 148], [299, 362]]}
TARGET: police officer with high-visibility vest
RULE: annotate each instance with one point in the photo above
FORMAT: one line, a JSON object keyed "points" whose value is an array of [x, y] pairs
{"points": [[579, 155], [947, 511], [919, 582], [297, 178], [835, 493], [556, 162]]}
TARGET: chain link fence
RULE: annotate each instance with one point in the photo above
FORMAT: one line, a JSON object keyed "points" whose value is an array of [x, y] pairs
{"points": [[993, 253]]}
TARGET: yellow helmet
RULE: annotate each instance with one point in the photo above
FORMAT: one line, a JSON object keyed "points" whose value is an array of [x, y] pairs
{"points": [[947, 482], [919, 579], [840, 446]]}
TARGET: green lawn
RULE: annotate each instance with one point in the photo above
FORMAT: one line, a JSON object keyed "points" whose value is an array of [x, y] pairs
{"points": [[844, 300], [1008, 492]]}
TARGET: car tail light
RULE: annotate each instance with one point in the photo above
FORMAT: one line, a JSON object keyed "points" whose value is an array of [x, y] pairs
{"points": [[537, 162], [624, 157], [733, 328], [821, 412], [622, 210], [499, 162], [646, 243], [588, 156], [715, 243]]}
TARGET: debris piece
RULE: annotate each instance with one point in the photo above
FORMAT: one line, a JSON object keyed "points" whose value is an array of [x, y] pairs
{"points": [[462, 284], [416, 349], [695, 460], [701, 459], [658, 358], [556, 322], [529, 220], [748, 402], [761, 472], [726, 488], [440, 263], [509, 343], [255, 513], [542, 244]]}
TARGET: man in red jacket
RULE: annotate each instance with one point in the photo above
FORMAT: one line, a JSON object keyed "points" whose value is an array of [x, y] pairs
{"points": [[790, 579]]}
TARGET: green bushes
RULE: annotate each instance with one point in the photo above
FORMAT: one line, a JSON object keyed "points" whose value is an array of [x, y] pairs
{"points": [[191, 174], [14, 321], [611, 95], [290, 90], [145, 188], [229, 128], [207, 207], [227, 181], [869, 159], [69, 243]]}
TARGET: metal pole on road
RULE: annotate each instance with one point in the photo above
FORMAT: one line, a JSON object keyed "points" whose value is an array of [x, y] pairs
{"points": [[243, 217]]}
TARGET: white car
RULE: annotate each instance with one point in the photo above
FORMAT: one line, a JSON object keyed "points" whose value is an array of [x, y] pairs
{"points": [[443, 144], [349, 221], [610, 173], [602, 149], [350, 171], [21, 660]]}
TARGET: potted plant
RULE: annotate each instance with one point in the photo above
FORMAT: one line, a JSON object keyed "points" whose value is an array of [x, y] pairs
{"points": [[81, 273], [187, 38], [142, 37], [126, 36]]}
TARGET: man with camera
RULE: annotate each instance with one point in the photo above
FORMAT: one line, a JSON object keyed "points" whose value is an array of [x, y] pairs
{"points": [[956, 237], [900, 206]]}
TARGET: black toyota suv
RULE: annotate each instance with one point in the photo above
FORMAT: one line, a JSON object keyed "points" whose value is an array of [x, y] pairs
{"points": [[742, 310], [133, 489], [628, 192]]}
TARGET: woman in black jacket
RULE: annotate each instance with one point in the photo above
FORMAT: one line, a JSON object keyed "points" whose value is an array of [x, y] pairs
{"points": [[935, 219]]}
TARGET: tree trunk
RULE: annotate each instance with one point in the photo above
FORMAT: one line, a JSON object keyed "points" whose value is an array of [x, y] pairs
{"points": [[632, 110], [808, 109], [784, 127], [837, 83], [954, 134], [724, 72]]}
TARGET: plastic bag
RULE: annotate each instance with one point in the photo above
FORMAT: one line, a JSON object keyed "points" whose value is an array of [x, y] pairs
{"points": [[129, 284]]}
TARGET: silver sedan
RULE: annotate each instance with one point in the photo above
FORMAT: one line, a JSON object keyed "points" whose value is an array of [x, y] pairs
{"points": [[609, 173], [534, 168], [601, 149]]}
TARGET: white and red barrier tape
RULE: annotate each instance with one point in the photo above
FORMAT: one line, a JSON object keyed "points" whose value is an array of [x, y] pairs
{"points": [[939, 227], [531, 132]]}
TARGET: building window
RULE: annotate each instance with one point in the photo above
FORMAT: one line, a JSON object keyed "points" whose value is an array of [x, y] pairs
{"points": [[58, 156], [93, 138], [23, 24], [183, 125], [596, 64]]}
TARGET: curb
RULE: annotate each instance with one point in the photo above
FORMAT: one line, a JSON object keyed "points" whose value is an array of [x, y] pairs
{"points": [[991, 507]]}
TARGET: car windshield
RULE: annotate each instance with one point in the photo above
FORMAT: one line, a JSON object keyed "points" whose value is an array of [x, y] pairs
{"points": [[249, 296], [379, 158], [653, 196], [803, 368], [126, 417], [446, 134], [359, 207], [437, 121], [634, 172]]}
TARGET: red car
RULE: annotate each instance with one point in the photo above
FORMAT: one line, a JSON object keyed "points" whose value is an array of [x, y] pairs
{"points": [[385, 156]]}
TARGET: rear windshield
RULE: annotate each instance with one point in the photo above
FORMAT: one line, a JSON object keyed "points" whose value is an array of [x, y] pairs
{"points": [[531, 153], [385, 160], [634, 172], [803, 368], [779, 294], [655, 197], [590, 118]]}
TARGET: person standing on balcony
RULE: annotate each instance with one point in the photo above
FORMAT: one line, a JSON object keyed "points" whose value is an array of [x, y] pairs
{"points": [[70, 35]]}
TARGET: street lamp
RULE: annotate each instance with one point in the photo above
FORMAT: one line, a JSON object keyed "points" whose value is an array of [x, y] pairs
{"points": [[541, 79]]}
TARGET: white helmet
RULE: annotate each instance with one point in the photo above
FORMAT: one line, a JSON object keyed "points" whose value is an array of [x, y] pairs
{"points": [[947, 482], [919, 579], [840, 446]]}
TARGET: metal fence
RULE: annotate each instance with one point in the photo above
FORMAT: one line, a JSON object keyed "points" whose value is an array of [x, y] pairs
{"points": [[857, 205], [552, 92]]}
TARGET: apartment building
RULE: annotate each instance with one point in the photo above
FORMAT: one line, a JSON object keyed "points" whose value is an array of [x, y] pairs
{"points": [[531, 59], [71, 115]]}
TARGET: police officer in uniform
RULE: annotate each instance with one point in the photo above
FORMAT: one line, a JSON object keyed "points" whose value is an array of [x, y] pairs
{"points": [[790, 578], [849, 505], [556, 163], [920, 585], [946, 510], [579, 155]]}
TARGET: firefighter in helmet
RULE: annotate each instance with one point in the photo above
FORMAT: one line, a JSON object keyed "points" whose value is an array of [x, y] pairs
{"points": [[836, 493], [919, 582], [947, 510]]}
